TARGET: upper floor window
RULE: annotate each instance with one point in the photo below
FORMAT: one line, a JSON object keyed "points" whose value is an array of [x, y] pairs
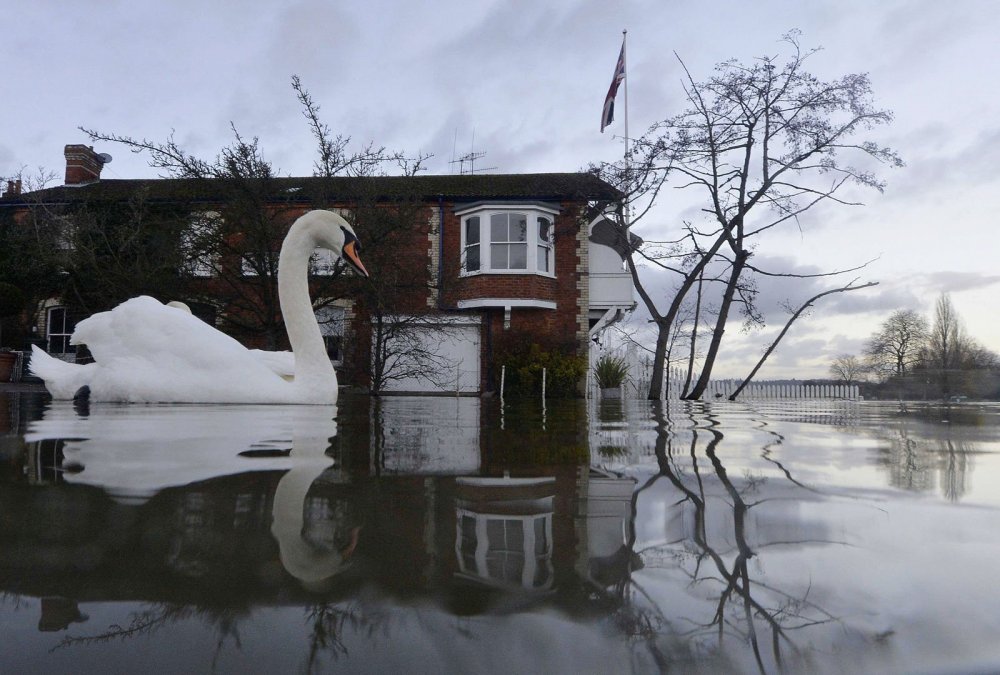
{"points": [[508, 240], [331, 327], [199, 244]]}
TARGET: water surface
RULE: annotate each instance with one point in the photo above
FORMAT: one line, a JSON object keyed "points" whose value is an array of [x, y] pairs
{"points": [[456, 535]]}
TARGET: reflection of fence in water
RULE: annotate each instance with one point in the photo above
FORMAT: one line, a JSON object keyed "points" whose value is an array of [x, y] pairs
{"points": [[625, 430]]}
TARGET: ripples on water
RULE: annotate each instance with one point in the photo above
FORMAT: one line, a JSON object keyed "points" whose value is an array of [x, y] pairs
{"points": [[453, 535]]}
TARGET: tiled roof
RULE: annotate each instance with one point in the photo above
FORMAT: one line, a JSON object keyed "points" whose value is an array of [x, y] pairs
{"points": [[528, 186]]}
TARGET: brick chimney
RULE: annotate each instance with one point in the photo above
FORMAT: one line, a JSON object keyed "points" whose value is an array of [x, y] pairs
{"points": [[83, 165], [13, 188]]}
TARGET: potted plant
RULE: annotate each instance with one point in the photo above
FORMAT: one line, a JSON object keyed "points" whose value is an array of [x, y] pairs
{"points": [[610, 373]]}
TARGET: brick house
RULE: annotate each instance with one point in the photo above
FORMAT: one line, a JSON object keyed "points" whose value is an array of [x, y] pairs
{"points": [[489, 260]]}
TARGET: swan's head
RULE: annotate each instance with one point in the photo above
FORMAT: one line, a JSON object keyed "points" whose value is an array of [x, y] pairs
{"points": [[350, 248], [336, 234]]}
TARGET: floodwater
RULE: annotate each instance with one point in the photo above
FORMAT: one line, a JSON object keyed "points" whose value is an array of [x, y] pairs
{"points": [[437, 535]]}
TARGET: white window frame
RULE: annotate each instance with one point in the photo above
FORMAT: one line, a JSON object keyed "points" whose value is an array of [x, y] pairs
{"points": [[534, 214], [64, 332]]}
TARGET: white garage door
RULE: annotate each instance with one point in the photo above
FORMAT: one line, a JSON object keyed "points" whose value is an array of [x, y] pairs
{"points": [[440, 358]]}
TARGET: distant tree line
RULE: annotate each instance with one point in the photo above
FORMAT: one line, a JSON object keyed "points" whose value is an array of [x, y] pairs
{"points": [[911, 356]]}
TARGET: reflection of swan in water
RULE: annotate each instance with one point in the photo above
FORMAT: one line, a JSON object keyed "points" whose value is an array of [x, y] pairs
{"points": [[134, 452], [308, 562], [147, 351]]}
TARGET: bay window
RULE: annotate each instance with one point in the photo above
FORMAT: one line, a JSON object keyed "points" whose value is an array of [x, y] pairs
{"points": [[508, 239]]}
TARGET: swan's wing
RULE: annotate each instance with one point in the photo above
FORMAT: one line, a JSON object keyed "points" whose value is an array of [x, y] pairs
{"points": [[147, 351], [282, 363], [144, 328]]}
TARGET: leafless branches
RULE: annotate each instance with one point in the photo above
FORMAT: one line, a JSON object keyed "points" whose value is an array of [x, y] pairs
{"points": [[763, 143]]}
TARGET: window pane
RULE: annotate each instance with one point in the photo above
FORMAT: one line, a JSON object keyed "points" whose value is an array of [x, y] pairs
{"points": [[57, 320], [544, 229], [518, 227], [472, 230], [518, 256], [541, 545], [543, 258], [472, 259], [330, 320], [498, 256], [334, 346], [498, 227]]}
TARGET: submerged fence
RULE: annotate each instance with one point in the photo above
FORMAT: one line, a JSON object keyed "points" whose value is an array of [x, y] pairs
{"points": [[640, 368]]}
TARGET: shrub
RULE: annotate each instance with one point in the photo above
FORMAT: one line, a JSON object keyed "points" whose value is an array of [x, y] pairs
{"points": [[610, 371], [563, 372]]}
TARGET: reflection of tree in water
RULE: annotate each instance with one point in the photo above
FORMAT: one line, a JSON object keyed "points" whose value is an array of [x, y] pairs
{"points": [[329, 621], [916, 464], [224, 622], [751, 611]]}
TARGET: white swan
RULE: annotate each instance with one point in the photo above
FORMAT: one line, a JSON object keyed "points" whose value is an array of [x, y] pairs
{"points": [[145, 351]]}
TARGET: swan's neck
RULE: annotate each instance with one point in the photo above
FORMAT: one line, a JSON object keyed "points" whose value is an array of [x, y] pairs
{"points": [[313, 370]]}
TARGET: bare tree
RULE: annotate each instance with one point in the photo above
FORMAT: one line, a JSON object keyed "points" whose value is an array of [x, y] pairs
{"points": [[847, 368], [946, 339], [896, 347], [764, 142]]}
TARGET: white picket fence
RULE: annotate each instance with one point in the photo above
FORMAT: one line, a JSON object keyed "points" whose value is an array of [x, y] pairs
{"points": [[640, 369]]}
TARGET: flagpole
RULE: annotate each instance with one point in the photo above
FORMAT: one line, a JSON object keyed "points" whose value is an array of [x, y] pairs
{"points": [[624, 37], [628, 157]]}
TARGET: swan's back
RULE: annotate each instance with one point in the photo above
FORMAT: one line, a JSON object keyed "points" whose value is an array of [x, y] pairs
{"points": [[147, 351]]}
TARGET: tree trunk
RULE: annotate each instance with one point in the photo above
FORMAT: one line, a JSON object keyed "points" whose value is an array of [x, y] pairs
{"points": [[694, 340], [659, 358], [664, 324], [720, 328]]}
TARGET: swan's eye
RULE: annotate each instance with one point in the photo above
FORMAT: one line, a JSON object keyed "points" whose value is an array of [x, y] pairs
{"points": [[350, 237]]}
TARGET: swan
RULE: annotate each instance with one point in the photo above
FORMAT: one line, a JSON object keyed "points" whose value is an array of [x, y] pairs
{"points": [[145, 351]]}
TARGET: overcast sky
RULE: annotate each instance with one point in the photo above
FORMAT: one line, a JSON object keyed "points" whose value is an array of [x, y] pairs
{"points": [[524, 81]]}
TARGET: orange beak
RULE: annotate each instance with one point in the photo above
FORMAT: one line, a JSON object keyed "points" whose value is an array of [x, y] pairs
{"points": [[350, 254]]}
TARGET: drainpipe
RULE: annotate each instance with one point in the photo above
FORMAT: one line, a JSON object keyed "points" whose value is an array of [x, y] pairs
{"points": [[441, 252]]}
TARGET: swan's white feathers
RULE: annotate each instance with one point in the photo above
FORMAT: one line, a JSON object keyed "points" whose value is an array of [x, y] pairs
{"points": [[148, 351], [282, 363]]}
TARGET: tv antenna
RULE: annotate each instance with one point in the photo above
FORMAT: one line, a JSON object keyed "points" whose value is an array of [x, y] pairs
{"points": [[467, 162]]}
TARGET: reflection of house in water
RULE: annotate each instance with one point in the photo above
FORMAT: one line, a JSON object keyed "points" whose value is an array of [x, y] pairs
{"points": [[604, 517], [409, 510], [426, 436], [504, 530], [503, 534]]}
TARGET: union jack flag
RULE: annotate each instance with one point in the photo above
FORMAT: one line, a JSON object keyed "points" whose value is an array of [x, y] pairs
{"points": [[608, 115]]}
